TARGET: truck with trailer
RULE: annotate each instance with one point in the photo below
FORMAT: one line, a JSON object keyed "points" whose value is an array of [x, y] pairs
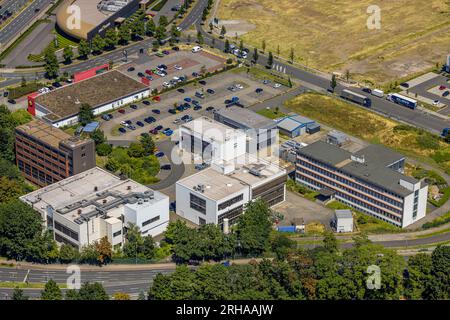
{"points": [[356, 97], [377, 93], [402, 100]]}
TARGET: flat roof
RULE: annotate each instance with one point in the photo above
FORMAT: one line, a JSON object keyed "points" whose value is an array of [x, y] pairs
{"points": [[249, 172], [96, 91], [211, 129], [47, 133], [86, 191], [343, 214], [290, 123], [247, 118], [374, 169]]}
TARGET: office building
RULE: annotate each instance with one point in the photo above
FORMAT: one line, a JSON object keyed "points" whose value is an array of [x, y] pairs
{"points": [[84, 208], [371, 181], [45, 154]]}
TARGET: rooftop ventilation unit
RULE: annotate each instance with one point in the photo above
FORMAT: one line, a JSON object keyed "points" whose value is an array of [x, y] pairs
{"points": [[359, 159]]}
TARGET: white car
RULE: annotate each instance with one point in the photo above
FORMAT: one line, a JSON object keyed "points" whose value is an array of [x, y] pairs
{"points": [[166, 84], [124, 123], [176, 79], [179, 29], [435, 102], [177, 67], [277, 85], [196, 49], [239, 86]]}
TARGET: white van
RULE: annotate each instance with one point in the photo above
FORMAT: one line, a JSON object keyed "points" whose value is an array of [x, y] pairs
{"points": [[378, 93], [196, 49]]}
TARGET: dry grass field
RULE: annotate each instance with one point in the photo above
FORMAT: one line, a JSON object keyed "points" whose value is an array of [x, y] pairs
{"points": [[333, 35]]}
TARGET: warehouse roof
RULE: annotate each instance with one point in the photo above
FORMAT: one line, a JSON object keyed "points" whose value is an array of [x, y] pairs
{"points": [[290, 123], [96, 91], [372, 168], [246, 117], [343, 214]]}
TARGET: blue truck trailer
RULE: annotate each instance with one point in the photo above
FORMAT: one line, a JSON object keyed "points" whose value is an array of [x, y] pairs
{"points": [[402, 100]]}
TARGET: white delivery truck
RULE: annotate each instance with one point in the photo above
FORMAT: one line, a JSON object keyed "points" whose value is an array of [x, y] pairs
{"points": [[378, 93]]}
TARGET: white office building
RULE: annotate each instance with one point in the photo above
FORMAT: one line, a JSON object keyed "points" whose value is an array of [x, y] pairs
{"points": [[84, 208], [343, 220]]}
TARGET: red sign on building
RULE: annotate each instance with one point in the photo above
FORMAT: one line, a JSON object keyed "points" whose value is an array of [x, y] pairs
{"points": [[90, 73], [31, 108]]}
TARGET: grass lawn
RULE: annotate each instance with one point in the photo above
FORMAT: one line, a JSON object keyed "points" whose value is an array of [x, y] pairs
{"points": [[271, 113], [63, 42], [22, 285], [334, 36], [438, 221], [356, 121]]}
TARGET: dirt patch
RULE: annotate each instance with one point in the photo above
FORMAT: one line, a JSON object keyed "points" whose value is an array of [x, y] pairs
{"points": [[239, 27]]}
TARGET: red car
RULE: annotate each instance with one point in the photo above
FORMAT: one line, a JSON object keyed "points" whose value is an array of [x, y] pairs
{"points": [[149, 72], [121, 111], [153, 131], [442, 87], [157, 98]]}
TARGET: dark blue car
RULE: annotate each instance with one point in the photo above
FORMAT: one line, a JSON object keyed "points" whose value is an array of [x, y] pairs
{"points": [[122, 130]]}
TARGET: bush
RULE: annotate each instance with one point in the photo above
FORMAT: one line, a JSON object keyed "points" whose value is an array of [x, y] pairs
{"points": [[18, 92], [103, 149]]}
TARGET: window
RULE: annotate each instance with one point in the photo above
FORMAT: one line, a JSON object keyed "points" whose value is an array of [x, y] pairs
{"points": [[116, 234], [66, 231], [197, 204], [145, 223], [230, 202], [201, 221]]}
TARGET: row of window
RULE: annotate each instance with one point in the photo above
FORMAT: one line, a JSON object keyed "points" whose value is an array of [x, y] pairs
{"points": [[38, 142], [230, 202], [145, 223], [27, 154], [354, 202], [197, 203], [358, 186], [68, 232]]}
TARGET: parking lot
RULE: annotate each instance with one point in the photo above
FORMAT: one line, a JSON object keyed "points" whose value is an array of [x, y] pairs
{"points": [[219, 88]]}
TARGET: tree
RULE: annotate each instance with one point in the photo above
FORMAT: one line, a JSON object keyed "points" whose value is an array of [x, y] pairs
{"points": [[178, 286], [104, 249], [83, 49], [137, 246], [89, 254], [18, 294], [72, 294], [330, 242], [263, 45], [227, 46], [147, 144], [86, 115], [437, 288], [333, 83], [10, 189], [98, 136], [141, 296], [223, 32], [151, 27], [124, 34], [110, 38], [253, 228], [160, 32], [51, 291], [138, 29], [211, 27], [98, 44], [92, 291], [241, 45], [199, 37], [255, 55], [68, 54], [51, 64], [112, 165], [163, 21], [281, 245], [347, 75], [103, 149], [23, 82], [278, 51], [291, 55], [205, 14], [67, 253], [213, 42], [270, 60], [417, 276], [175, 32], [121, 296], [136, 150]]}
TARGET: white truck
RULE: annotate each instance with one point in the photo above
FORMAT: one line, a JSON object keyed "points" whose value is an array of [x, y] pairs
{"points": [[378, 93]]}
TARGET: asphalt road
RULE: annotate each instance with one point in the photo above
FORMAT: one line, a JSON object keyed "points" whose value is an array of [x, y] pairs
{"points": [[16, 26]]}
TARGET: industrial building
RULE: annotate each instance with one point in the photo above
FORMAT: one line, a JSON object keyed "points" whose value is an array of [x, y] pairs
{"points": [[84, 208], [210, 141], [45, 154], [210, 196], [343, 220], [296, 125], [103, 92], [261, 131], [371, 181], [84, 19]]}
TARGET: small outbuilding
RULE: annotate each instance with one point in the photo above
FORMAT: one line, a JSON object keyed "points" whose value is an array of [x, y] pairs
{"points": [[294, 125], [343, 220]]}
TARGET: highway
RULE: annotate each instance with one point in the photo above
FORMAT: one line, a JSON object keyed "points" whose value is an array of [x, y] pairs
{"points": [[16, 26]]}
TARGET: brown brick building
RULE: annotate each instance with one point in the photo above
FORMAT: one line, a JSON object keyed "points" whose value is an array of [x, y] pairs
{"points": [[45, 154]]}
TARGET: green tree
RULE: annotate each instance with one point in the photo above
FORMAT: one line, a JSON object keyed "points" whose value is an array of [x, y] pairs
{"points": [[89, 254], [270, 60], [253, 228], [199, 38], [160, 32], [227, 46], [417, 276], [148, 144], [68, 54], [175, 33], [98, 44], [163, 21], [124, 34], [263, 46], [67, 253], [255, 56], [84, 49], [178, 286], [10, 189], [111, 38], [86, 115], [112, 165], [92, 291], [103, 149], [51, 64], [211, 27], [281, 245], [347, 75], [104, 249], [141, 296], [151, 27], [18, 294], [330, 242], [72, 294], [333, 82], [291, 56], [136, 150], [437, 288], [98, 136], [223, 32], [51, 291]]}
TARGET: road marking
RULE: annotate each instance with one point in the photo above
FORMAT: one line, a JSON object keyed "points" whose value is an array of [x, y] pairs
{"points": [[26, 276]]}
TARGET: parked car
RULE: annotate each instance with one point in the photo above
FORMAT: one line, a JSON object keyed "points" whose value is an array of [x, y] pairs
{"points": [[122, 111], [131, 69], [132, 127], [160, 54], [368, 90], [141, 75], [195, 74], [133, 106], [198, 107], [6, 93], [147, 103], [442, 87], [265, 81], [210, 91], [196, 49], [172, 111], [259, 90], [277, 85], [176, 48], [199, 95], [149, 78], [404, 84], [57, 84], [181, 90], [122, 130], [195, 102], [157, 111], [107, 117], [159, 127], [239, 86], [202, 82], [150, 119], [166, 52], [178, 67], [12, 101], [435, 102], [140, 123], [159, 154], [153, 131], [210, 109], [446, 93], [166, 167]]}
